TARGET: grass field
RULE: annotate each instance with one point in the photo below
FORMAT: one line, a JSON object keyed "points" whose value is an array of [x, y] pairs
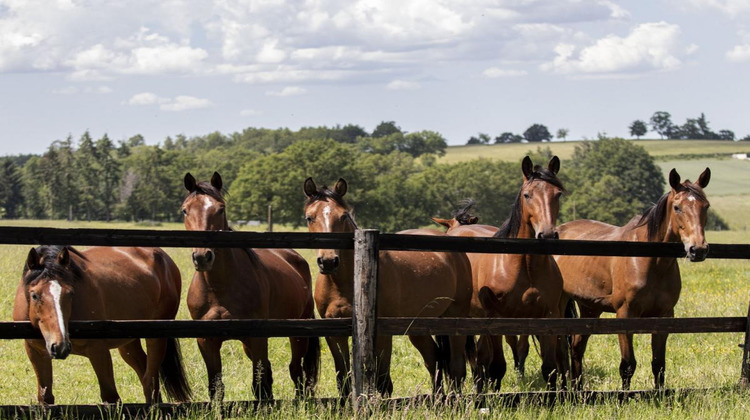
{"points": [[711, 288]]}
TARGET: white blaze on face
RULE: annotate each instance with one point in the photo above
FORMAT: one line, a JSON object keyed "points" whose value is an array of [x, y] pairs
{"points": [[207, 203], [56, 290], [691, 198], [327, 216]]}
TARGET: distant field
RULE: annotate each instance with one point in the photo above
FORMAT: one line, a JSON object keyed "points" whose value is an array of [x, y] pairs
{"points": [[660, 149]]}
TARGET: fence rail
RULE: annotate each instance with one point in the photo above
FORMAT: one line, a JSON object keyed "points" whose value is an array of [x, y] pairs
{"points": [[364, 326]]}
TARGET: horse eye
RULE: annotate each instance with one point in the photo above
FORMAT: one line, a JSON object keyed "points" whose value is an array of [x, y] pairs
{"points": [[526, 195], [34, 296], [308, 219], [184, 212], [677, 209]]}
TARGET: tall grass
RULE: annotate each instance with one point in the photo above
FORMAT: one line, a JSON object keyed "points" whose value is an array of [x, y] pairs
{"points": [[710, 288]]}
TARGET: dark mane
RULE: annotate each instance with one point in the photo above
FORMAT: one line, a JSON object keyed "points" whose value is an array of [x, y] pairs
{"points": [[50, 267], [324, 194], [654, 216], [462, 216], [510, 227], [209, 190]]}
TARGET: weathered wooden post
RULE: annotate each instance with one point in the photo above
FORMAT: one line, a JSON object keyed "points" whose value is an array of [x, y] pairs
{"points": [[364, 318], [745, 372]]}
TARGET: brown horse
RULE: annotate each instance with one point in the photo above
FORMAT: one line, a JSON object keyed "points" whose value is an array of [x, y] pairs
{"points": [[61, 284], [638, 286], [410, 284], [238, 283], [517, 285]]}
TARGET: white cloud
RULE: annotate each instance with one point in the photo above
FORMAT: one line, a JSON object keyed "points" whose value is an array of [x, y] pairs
{"points": [[288, 91], [649, 46], [249, 113], [402, 85], [731, 8], [494, 72], [72, 90], [184, 103], [740, 53], [146, 98]]}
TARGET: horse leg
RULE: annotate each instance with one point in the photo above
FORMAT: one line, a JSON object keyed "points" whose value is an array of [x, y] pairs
{"points": [[497, 366], [210, 349], [156, 349], [42, 364], [383, 349], [299, 348], [101, 361], [658, 355], [519, 346], [431, 356], [257, 350], [457, 363], [133, 354], [339, 347], [578, 348], [550, 361], [483, 359], [628, 363]]}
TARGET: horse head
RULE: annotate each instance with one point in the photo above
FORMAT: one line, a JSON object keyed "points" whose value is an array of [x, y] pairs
{"points": [[687, 213], [48, 282], [327, 212], [539, 198], [204, 208]]}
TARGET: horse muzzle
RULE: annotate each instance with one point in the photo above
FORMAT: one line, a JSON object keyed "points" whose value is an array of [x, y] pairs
{"points": [[59, 350], [328, 265], [697, 253], [548, 234], [203, 261]]}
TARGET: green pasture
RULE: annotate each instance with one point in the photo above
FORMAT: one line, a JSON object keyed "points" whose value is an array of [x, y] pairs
{"points": [[705, 361], [660, 149]]}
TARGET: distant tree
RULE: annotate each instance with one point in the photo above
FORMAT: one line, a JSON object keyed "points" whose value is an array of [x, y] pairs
{"points": [[638, 128], [610, 180], [661, 122], [110, 175], [348, 133], [726, 135], [386, 128], [11, 197], [88, 174], [562, 133], [508, 137], [484, 138], [474, 140], [537, 133], [423, 142]]}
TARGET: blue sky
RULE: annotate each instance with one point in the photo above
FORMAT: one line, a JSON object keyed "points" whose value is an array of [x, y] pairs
{"points": [[459, 67]]}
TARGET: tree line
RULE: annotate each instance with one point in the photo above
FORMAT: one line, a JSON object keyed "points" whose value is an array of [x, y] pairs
{"points": [[395, 181]]}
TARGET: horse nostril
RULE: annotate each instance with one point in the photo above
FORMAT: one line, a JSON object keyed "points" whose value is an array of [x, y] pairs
{"points": [[336, 261], [209, 255], [53, 349], [540, 235], [320, 261], [556, 235], [691, 250]]}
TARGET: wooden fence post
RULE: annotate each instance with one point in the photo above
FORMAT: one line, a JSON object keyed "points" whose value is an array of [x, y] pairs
{"points": [[745, 372], [364, 317]]}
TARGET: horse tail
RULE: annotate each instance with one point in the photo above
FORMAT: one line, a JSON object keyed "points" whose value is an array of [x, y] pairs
{"points": [[172, 373], [444, 354], [311, 363]]}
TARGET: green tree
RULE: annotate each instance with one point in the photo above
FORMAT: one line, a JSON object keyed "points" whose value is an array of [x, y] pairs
{"points": [[610, 180], [386, 128], [109, 176], [537, 133], [638, 128], [11, 198], [661, 122], [562, 133], [508, 137], [423, 142], [88, 174]]}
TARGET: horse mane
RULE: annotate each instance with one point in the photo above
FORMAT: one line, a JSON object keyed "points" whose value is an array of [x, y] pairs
{"points": [[50, 268], [510, 227], [324, 194], [462, 215], [653, 216]]}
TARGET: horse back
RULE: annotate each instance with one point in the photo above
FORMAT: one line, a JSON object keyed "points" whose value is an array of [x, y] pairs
{"points": [[423, 283], [128, 283]]}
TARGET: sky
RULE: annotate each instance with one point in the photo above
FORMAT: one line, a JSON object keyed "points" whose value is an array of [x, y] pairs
{"points": [[459, 67]]}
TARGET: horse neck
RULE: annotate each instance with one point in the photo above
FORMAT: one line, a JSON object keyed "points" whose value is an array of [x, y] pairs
{"points": [[226, 266]]}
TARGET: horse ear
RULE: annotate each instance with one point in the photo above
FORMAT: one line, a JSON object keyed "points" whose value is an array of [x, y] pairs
{"points": [[442, 222], [310, 188], [554, 165], [33, 260], [674, 180], [190, 183], [340, 187], [527, 167], [216, 181], [704, 178], [63, 258]]}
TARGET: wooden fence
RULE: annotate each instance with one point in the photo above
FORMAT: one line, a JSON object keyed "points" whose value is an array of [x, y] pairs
{"points": [[364, 326]]}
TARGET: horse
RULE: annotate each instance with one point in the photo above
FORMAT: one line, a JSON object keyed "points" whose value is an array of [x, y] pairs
{"points": [[638, 286], [410, 284], [244, 283], [61, 284], [517, 285]]}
